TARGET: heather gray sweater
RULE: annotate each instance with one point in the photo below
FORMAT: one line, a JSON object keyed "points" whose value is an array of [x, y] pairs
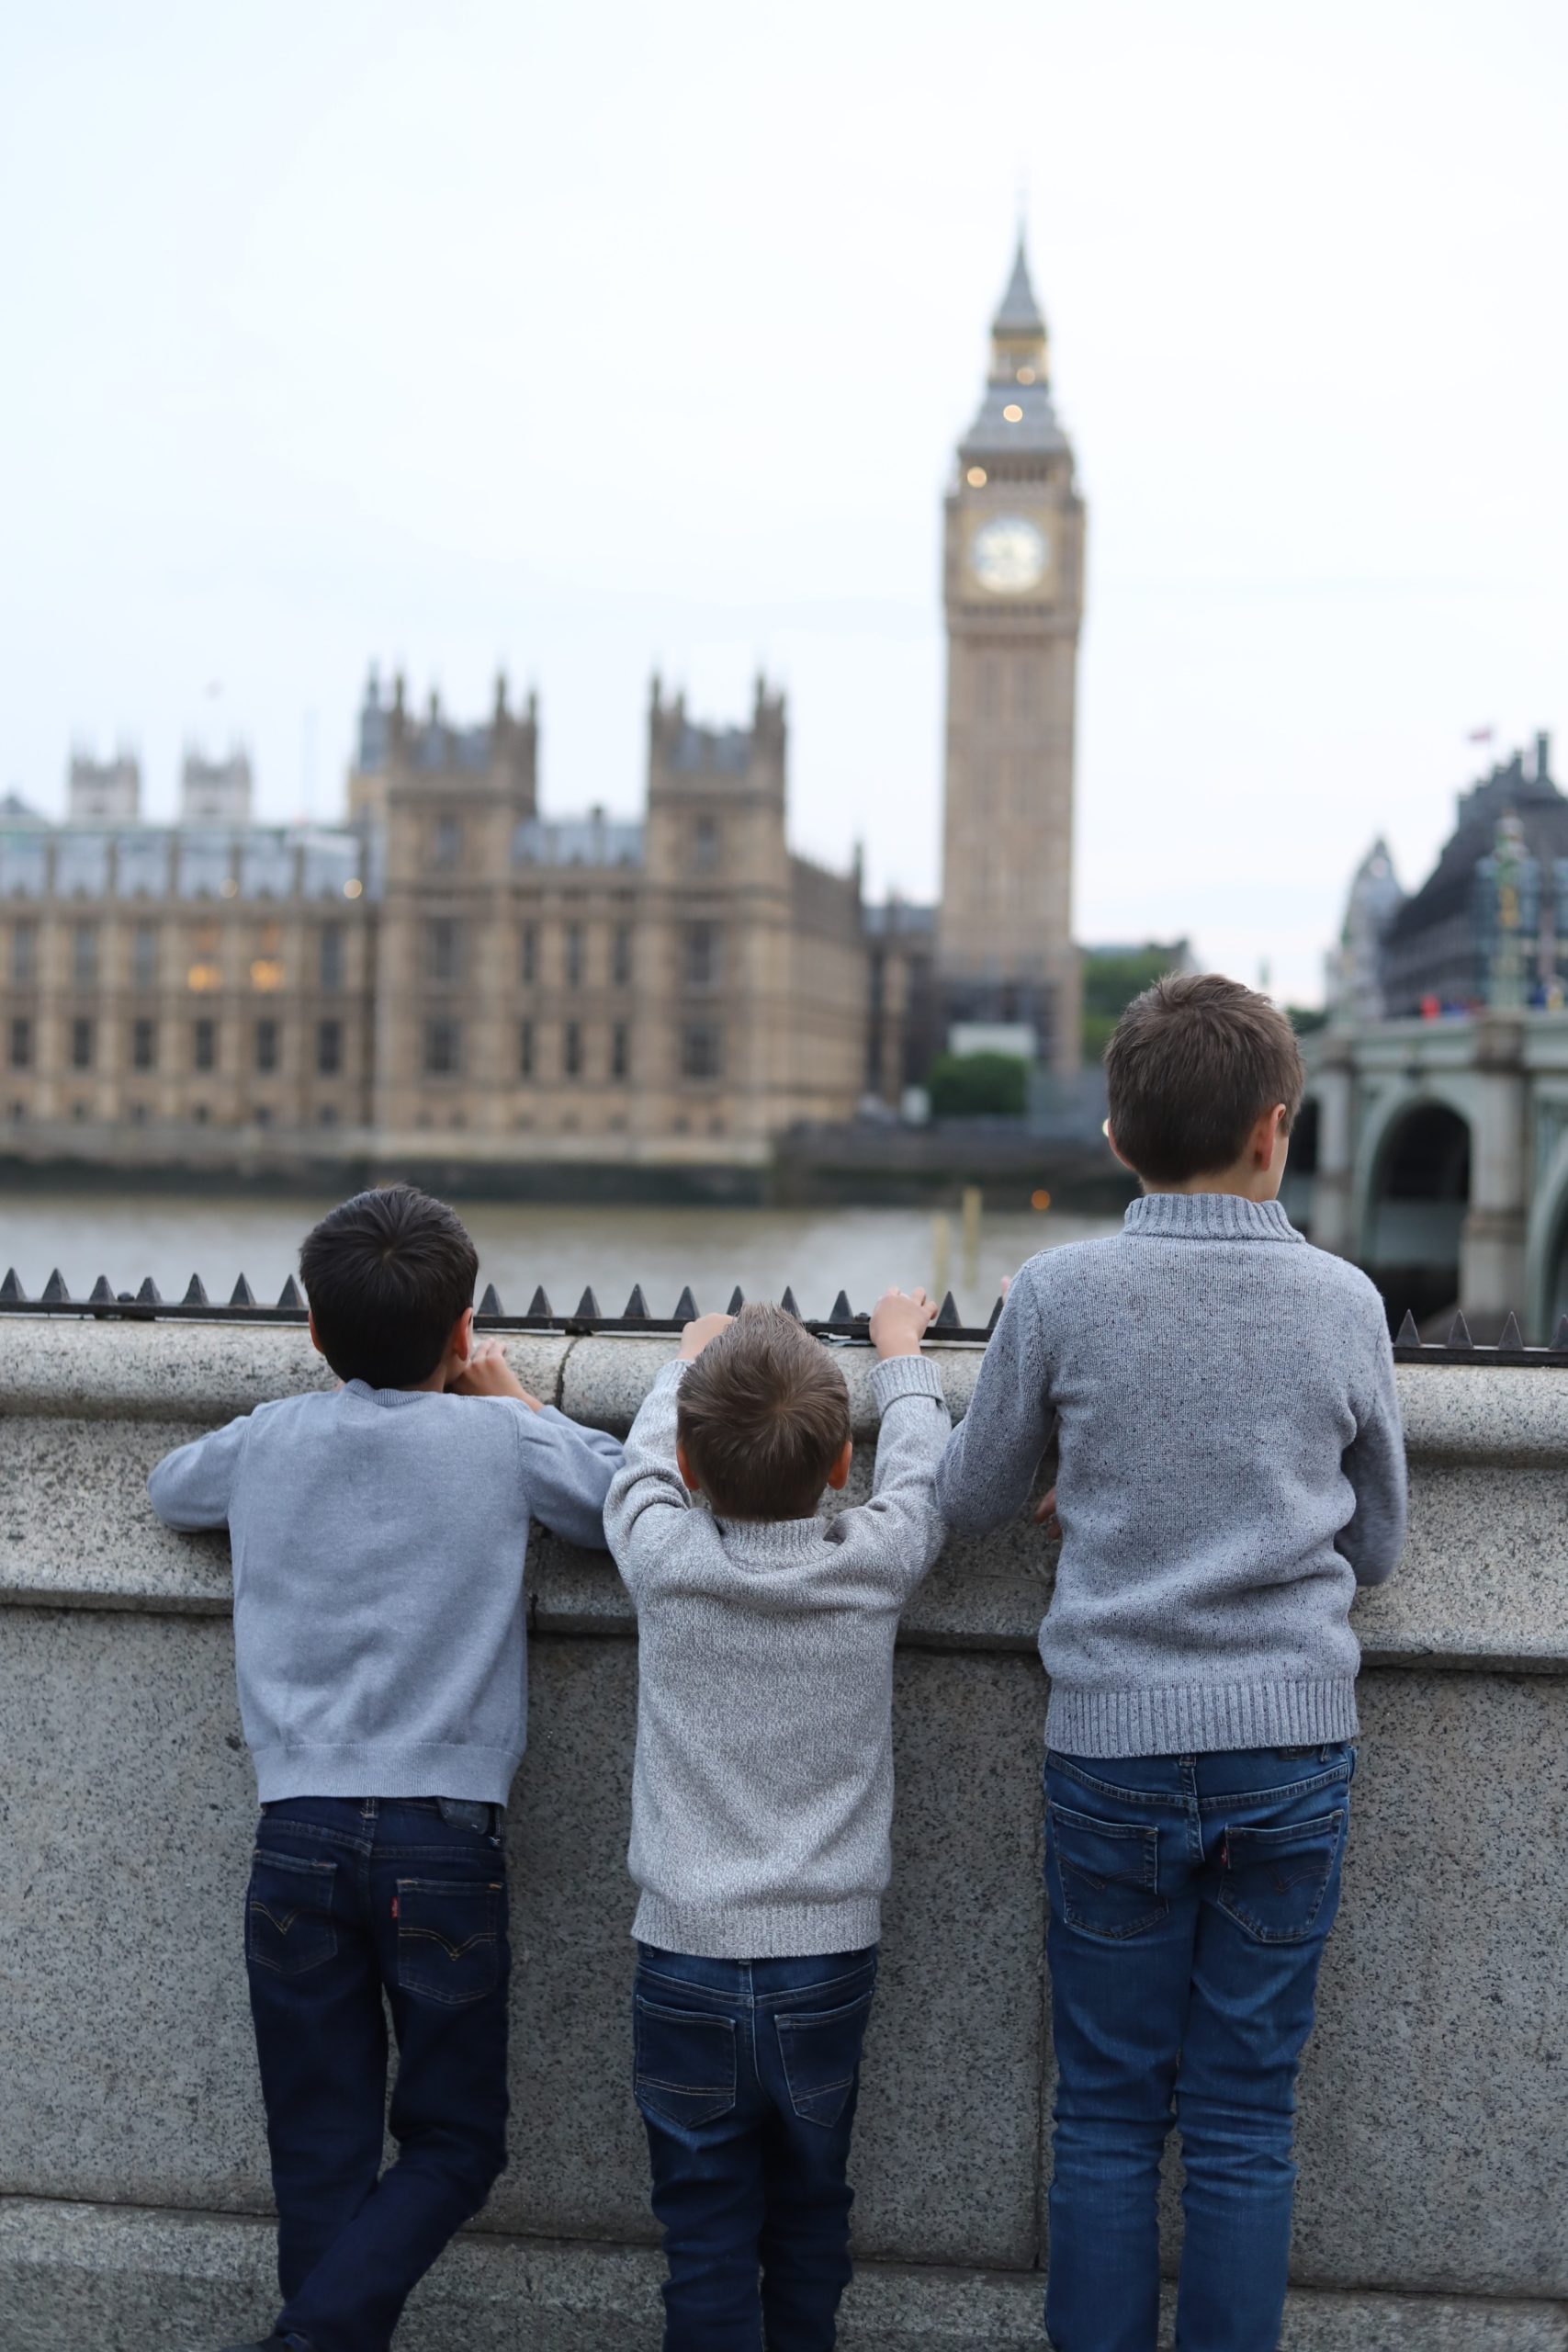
{"points": [[379, 1537], [1231, 1468], [762, 1792]]}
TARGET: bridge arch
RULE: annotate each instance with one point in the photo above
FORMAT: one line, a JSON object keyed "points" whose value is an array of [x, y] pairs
{"points": [[1412, 1193]]}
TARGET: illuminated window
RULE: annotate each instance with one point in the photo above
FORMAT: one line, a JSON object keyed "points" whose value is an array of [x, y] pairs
{"points": [[266, 1046], [976, 477], [203, 1048], [204, 972], [443, 1048], [353, 886], [329, 1047], [1026, 375], [1013, 413], [81, 1044], [143, 1045]]}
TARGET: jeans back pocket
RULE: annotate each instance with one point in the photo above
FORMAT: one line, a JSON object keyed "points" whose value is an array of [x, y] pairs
{"points": [[289, 1913], [448, 1939], [684, 2063], [1274, 1882], [1108, 1872], [820, 2050]]}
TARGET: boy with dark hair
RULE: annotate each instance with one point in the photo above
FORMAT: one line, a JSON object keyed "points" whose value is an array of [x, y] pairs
{"points": [[1230, 1469], [378, 1534], [763, 1795]]}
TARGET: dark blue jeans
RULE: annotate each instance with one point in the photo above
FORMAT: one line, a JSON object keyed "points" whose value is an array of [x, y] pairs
{"points": [[1190, 1900], [351, 1899], [747, 2073]]}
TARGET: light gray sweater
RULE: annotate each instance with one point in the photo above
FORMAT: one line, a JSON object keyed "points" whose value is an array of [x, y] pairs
{"points": [[762, 1792], [1231, 1468], [379, 1537]]}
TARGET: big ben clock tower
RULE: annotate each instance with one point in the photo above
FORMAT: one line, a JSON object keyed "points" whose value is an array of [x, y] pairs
{"points": [[1013, 553]]}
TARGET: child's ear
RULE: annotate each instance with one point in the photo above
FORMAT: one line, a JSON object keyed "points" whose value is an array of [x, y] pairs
{"points": [[839, 1475], [461, 1343], [693, 1484]]}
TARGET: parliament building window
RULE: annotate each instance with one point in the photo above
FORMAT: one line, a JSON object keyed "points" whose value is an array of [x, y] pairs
{"points": [[705, 844], [204, 1047], [21, 1044], [574, 955], [526, 1050], [84, 957], [622, 961], [620, 1051], [266, 1046], [81, 1044], [332, 956], [144, 956], [329, 1048], [444, 943], [24, 954], [700, 1050], [702, 954], [571, 1050], [143, 1045], [448, 841], [530, 961], [443, 1048]]}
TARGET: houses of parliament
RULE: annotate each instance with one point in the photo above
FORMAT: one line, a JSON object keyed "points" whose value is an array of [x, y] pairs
{"points": [[451, 979]]}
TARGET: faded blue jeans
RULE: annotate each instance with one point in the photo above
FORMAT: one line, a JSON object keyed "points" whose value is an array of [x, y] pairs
{"points": [[1190, 1900], [747, 2075]]}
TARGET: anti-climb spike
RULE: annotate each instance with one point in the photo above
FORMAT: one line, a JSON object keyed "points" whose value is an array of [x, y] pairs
{"points": [[787, 1302], [1458, 1333], [1511, 1335], [102, 1293], [635, 1307], [242, 1295], [737, 1300], [947, 1316], [11, 1290], [196, 1293], [588, 1305], [686, 1307], [150, 1295], [290, 1295], [842, 1311], [54, 1291], [490, 1302], [996, 1315], [1407, 1336], [539, 1305]]}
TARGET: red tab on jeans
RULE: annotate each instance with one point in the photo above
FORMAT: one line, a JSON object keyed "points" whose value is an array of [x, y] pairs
{"points": [[394, 1906]]}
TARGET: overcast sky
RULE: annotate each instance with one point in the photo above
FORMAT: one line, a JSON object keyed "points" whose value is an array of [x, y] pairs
{"points": [[590, 339]]}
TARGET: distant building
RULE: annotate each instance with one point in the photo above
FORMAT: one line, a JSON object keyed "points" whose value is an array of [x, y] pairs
{"points": [[103, 792], [1489, 923]]}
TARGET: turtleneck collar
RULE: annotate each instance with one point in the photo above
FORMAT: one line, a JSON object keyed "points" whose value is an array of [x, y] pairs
{"points": [[1208, 1217]]}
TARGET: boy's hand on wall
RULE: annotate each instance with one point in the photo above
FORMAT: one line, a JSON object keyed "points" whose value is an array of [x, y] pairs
{"points": [[900, 1321], [1045, 1516], [695, 1336], [488, 1374]]}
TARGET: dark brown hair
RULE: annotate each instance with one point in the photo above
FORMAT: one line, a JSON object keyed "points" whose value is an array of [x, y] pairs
{"points": [[1194, 1064], [387, 1274], [763, 1414]]}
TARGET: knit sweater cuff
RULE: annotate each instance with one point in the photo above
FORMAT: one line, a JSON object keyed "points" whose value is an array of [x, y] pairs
{"points": [[905, 1376]]}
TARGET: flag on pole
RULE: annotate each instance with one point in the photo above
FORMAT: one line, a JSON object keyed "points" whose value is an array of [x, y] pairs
{"points": [[1481, 735]]}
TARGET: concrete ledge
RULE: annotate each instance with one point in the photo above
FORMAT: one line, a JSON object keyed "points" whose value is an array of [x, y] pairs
{"points": [[116, 2278]]}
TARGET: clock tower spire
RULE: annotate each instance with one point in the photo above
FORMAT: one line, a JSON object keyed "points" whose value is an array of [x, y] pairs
{"points": [[1013, 548]]}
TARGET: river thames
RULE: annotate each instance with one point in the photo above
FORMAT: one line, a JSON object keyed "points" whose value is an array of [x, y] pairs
{"points": [[819, 1252]]}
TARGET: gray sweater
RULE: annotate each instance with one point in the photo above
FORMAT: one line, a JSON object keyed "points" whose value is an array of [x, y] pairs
{"points": [[379, 1538], [1231, 1468], [762, 1792]]}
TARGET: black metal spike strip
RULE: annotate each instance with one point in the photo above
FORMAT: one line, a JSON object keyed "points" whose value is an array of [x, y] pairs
{"points": [[103, 1304]]}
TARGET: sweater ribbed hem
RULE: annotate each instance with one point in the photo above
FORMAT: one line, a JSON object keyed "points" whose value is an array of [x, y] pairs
{"points": [[371, 1768], [1196, 1719], [759, 1930]]}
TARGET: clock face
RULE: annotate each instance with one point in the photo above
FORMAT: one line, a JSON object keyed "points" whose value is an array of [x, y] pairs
{"points": [[1009, 555]]}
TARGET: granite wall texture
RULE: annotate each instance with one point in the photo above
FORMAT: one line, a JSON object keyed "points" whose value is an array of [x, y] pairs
{"points": [[1433, 2208]]}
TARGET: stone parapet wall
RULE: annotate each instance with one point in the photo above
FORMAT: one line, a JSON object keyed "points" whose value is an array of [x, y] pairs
{"points": [[1433, 2208]]}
